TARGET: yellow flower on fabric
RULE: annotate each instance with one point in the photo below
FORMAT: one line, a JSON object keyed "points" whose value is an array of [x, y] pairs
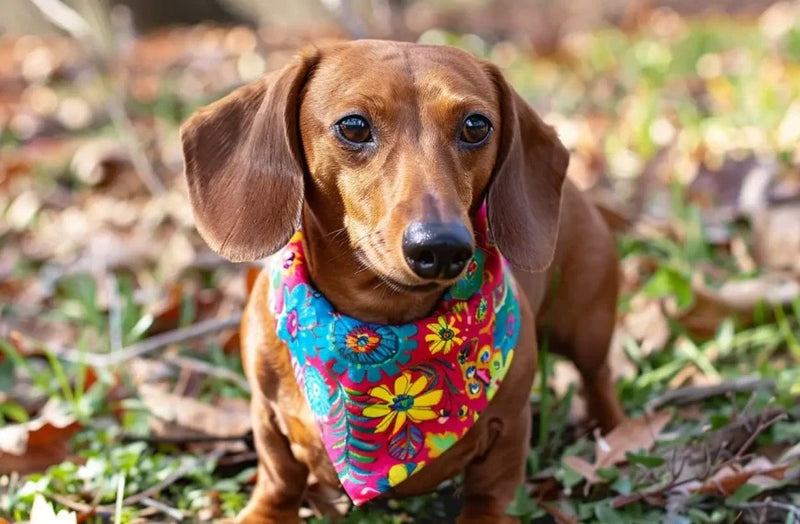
{"points": [[397, 474], [443, 336], [407, 401]]}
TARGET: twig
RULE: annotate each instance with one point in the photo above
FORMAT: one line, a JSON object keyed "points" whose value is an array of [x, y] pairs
{"points": [[769, 504], [675, 482], [760, 428], [199, 330], [208, 369], [690, 395], [177, 336], [624, 500], [175, 513], [74, 505], [65, 17], [200, 439], [129, 137]]}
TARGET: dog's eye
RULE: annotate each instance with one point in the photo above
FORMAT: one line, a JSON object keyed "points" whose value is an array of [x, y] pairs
{"points": [[354, 129], [475, 130]]}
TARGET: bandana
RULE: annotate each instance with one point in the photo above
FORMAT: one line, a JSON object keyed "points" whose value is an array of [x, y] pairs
{"points": [[388, 399]]}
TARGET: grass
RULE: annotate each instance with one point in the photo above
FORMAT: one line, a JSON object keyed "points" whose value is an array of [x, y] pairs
{"points": [[705, 91]]}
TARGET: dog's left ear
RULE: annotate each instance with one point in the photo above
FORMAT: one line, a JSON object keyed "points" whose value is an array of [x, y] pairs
{"points": [[524, 197]]}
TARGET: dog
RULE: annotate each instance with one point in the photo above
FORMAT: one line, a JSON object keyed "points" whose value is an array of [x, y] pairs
{"points": [[387, 157]]}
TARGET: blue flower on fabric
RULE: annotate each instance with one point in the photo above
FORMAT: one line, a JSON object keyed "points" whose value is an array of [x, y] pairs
{"points": [[298, 325], [506, 328], [360, 349], [317, 392]]}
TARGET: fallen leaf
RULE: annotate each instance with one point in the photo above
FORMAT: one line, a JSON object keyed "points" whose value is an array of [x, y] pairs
{"points": [[42, 512], [647, 324], [583, 468], [98, 160], [229, 418], [777, 237], [727, 480], [631, 435], [735, 298], [39, 443], [731, 187]]}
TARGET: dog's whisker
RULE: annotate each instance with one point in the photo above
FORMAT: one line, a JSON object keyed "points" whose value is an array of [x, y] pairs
{"points": [[336, 233]]}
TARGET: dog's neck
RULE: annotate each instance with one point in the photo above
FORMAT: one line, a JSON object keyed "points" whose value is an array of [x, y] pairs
{"points": [[351, 288]]}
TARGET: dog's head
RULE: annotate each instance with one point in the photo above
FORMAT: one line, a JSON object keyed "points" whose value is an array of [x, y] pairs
{"points": [[398, 144]]}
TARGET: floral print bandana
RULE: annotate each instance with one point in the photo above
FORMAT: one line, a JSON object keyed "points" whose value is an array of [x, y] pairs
{"points": [[389, 399]]}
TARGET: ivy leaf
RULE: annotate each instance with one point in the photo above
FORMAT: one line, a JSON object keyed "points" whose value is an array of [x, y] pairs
{"points": [[523, 506], [646, 460]]}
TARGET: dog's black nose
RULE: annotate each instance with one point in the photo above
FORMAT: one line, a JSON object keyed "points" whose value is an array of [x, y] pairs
{"points": [[437, 250]]}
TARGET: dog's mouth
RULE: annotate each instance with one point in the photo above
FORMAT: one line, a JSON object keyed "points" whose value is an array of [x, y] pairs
{"points": [[410, 288]]}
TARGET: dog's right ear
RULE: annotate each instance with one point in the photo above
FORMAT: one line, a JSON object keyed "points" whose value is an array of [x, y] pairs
{"points": [[244, 164]]}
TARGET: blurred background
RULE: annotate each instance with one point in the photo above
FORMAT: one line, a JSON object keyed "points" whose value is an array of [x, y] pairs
{"points": [[118, 347]]}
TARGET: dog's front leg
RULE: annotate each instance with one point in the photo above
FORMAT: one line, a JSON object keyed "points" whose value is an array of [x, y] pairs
{"points": [[491, 482], [282, 478]]}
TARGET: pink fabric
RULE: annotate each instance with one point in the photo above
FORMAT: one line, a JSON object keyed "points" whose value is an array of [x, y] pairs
{"points": [[389, 399]]}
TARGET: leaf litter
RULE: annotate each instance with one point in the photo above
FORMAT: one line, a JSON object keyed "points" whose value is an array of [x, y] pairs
{"points": [[701, 188]]}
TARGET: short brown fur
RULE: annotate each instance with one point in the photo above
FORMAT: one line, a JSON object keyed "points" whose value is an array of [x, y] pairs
{"points": [[265, 160]]}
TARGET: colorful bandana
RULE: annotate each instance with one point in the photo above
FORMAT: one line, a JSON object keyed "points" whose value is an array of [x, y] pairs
{"points": [[390, 399]]}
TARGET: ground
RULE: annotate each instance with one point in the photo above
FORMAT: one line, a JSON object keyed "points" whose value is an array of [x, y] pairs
{"points": [[121, 390]]}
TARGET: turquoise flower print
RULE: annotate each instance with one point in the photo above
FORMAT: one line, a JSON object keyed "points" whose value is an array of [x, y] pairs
{"points": [[317, 391], [298, 325], [360, 349], [506, 329]]}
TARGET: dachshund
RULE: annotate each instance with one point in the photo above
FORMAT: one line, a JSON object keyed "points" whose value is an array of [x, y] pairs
{"points": [[382, 154]]}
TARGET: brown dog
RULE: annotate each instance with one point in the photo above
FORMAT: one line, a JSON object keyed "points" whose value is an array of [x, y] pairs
{"points": [[355, 142]]}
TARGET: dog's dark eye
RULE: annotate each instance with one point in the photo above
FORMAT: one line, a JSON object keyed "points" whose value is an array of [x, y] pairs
{"points": [[354, 129], [475, 130]]}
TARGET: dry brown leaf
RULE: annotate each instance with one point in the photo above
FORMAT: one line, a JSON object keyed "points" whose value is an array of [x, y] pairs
{"points": [[777, 237], [39, 443], [582, 467], [647, 324], [229, 418], [735, 298], [724, 189], [727, 480], [631, 435]]}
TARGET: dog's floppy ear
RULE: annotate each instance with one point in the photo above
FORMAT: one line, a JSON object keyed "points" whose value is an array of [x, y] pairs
{"points": [[244, 164], [524, 196]]}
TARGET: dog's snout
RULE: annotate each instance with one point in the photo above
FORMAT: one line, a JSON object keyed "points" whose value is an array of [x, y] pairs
{"points": [[437, 250]]}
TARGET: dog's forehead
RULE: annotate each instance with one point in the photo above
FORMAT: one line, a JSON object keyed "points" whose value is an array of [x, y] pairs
{"points": [[395, 68]]}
